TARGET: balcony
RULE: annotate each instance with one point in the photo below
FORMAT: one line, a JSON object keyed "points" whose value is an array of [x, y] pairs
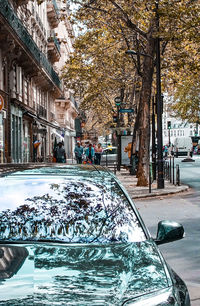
{"points": [[52, 13], [62, 103], [53, 49], [21, 32]]}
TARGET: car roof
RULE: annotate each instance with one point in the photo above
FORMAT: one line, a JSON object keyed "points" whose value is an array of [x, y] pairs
{"points": [[110, 148], [59, 170]]}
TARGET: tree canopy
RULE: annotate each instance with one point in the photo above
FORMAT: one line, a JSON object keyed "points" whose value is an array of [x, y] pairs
{"points": [[99, 69]]}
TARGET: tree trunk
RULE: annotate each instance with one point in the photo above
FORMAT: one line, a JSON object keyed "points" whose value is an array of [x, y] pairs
{"points": [[144, 114]]}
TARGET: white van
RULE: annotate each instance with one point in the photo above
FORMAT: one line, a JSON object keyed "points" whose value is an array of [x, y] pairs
{"points": [[182, 146]]}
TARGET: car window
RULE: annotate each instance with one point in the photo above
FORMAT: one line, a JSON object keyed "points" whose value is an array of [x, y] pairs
{"points": [[72, 209]]}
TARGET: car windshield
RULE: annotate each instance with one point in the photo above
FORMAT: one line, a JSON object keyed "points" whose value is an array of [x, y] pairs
{"points": [[71, 209]]}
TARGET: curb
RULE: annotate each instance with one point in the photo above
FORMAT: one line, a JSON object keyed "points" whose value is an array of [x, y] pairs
{"points": [[158, 194]]}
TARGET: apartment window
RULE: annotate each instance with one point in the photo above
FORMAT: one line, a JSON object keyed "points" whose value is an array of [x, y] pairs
{"points": [[19, 81], [175, 133], [34, 97], [26, 95], [14, 78], [190, 133]]}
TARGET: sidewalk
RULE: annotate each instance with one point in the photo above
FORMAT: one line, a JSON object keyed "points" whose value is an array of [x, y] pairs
{"points": [[135, 192]]}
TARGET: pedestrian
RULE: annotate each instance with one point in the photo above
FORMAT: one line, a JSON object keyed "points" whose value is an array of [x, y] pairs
{"points": [[78, 151], [165, 149], [90, 154], [60, 153], [98, 152]]}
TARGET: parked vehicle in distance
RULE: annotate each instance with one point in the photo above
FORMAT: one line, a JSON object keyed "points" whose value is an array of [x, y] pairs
{"points": [[109, 155], [71, 235], [183, 146]]}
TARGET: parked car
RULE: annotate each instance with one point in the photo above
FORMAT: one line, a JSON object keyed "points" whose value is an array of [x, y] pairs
{"points": [[109, 155], [71, 235]]}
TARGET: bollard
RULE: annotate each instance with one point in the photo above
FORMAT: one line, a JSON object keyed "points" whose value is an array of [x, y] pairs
{"points": [[177, 175], [173, 169]]}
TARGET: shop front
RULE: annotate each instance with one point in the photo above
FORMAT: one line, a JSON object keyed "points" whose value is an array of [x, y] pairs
{"points": [[26, 141], [39, 142]]}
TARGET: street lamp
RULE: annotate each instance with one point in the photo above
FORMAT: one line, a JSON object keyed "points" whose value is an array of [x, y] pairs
{"points": [[118, 101], [159, 101]]}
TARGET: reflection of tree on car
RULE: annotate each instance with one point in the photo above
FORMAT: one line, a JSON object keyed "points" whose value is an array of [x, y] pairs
{"points": [[76, 212]]}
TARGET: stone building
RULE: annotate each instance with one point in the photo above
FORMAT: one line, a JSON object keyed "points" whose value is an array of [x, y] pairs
{"points": [[36, 111], [176, 128]]}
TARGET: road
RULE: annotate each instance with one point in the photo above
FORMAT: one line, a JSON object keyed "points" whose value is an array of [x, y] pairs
{"points": [[183, 255]]}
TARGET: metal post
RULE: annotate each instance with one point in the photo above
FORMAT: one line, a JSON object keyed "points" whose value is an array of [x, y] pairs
{"points": [[170, 169], [169, 138], [173, 170], [150, 172], [177, 175], [153, 140], [160, 180], [118, 142]]}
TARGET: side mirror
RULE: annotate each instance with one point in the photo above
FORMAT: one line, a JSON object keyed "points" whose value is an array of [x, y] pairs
{"points": [[169, 231]]}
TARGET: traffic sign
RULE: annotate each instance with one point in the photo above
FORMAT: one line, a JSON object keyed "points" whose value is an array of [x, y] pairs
{"points": [[1, 103], [126, 110], [118, 101]]}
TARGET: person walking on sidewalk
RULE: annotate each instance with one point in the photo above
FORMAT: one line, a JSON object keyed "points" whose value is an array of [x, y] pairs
{"points": [[90, 154], [78, 151], [60, 153], [98, 153]]}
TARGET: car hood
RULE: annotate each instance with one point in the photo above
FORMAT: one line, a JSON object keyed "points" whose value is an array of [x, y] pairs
{"points": [[55, 274]]}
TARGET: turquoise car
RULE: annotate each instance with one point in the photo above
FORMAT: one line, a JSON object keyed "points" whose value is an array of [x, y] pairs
{"points": [[71, 235]]}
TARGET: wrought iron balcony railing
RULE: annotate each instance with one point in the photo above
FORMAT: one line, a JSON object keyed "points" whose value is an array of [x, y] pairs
{"points": [[8, 13]]}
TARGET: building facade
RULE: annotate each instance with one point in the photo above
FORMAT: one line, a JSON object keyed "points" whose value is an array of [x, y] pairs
{"points": [[36, 110], [175, 128]]}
